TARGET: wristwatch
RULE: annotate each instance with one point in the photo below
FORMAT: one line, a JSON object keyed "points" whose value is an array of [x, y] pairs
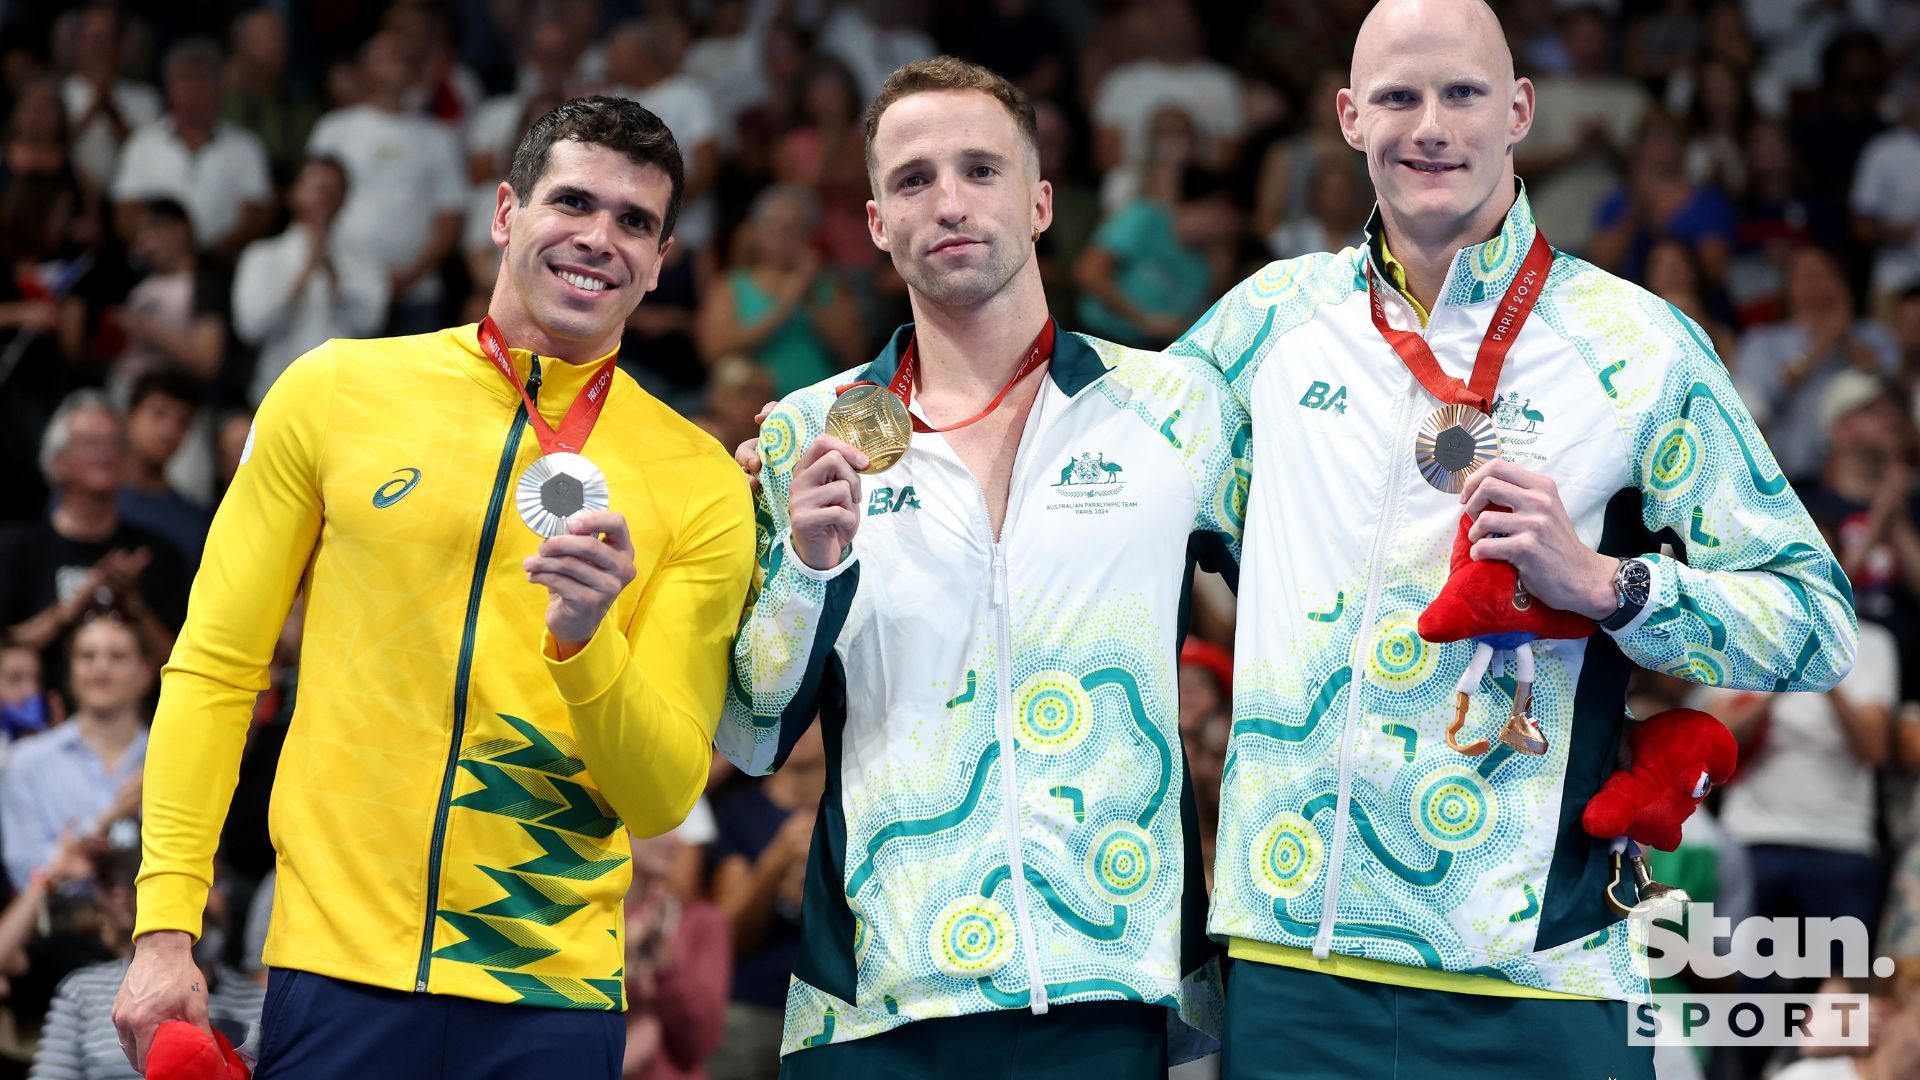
{"points": [[1630, 585]]}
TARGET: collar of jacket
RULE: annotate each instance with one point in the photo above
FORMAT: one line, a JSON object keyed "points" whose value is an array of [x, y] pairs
{"points": [[1074, 367], [1480, 272]]}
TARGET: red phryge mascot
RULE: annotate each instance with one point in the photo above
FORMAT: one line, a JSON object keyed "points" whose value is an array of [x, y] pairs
{"points": [[1485, 602], [1678, 756], [181, 1051]]}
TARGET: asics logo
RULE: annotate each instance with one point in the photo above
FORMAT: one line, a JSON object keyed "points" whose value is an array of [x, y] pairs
{"points": [[395, 489]]}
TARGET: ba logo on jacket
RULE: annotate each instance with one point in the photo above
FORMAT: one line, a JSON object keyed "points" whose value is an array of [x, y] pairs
{"points": [[884, 501], [1325, 398]]}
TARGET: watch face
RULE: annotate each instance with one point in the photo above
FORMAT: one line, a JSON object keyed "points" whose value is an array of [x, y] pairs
{"points": [[1633, 581]]}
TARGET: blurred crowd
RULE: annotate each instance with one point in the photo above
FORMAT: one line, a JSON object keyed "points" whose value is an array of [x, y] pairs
{"points": [[192, 195]]}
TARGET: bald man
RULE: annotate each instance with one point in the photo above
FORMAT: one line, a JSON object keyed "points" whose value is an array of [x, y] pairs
{"points": [[1423, 910]]}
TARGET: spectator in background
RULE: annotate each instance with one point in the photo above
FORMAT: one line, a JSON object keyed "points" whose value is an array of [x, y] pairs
{"points": [[678, 970], [759, 871], [1176, 73], [175, 317], [872, 37], [775, 305], [84, 775], [405, 185], [1076, 206], [1659, 200], [23, 698], [1284, 188], [1906, 336], [1717, 124], [39, 147], [643, 65], [78, 1041], [1673, 274], [546, 73], [219, 173], [726, 58], [298, 289], [103, 107], [1778, 214], [261, 97], [1335, 217], [440, 86], [42, 330], [1845, 116], [1783, 370], [1886, 205], [824, 148], [735, 390], [1582, 123], [1804, 803], [1155, 264], [160, 416], [1864, 497], [80, 553]]}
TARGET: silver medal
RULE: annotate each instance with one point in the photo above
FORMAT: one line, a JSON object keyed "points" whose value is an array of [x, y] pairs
{"points": [[555, 489]]}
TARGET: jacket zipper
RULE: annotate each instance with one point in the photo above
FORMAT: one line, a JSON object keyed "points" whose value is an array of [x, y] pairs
{"points": [[463, 671], [1356, 657]]}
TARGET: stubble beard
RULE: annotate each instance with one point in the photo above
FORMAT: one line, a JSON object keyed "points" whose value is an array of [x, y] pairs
{"points": [[969, 287]]}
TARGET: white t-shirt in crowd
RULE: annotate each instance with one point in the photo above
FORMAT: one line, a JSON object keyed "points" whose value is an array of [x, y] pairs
{"points": [[1805, 787], [403, 171], [681, 102], [214, 182], [96, 151], [1207, 91], [495, 128], [281, 323], [1886, 188]]}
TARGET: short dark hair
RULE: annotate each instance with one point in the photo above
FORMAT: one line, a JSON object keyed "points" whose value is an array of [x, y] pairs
{"points": [[163, 209], [615, 123], [947, 73], [166, 382]]}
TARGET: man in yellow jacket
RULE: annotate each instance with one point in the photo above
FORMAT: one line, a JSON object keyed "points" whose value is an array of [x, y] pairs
{"points": [[483, 713]]}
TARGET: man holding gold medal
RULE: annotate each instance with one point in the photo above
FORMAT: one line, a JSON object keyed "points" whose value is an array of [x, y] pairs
{"points": [[1401, 902], [974, 559], [522, 578]]}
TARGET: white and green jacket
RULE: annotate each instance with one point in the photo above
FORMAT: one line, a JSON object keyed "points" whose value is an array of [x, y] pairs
{"points": [[1007, 821], [1347, 824]]}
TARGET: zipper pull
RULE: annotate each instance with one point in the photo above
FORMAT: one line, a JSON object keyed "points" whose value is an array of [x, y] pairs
{"points": [[533, 380], [999, 577]]}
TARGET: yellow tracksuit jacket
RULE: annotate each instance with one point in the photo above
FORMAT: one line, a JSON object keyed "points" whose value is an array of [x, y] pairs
{"points": [[450, 803]]}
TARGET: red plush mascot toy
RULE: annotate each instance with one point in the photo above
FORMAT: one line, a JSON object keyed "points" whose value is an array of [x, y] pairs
{"points": [[181, 1051], [1678, 756], [1484, 601]]}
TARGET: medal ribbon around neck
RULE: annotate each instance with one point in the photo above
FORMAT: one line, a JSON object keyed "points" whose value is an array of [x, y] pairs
{"points": [[902, 384], [1522, 293], [578, 423]]}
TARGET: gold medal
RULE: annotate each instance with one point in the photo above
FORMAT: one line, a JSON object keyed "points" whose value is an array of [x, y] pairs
{"points": [[874, 421], [556, 488], [1453, 444]]}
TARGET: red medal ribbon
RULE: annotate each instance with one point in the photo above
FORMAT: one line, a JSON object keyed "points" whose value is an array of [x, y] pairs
{"points": [[902, 385], [581, 415], [1522, 293]]}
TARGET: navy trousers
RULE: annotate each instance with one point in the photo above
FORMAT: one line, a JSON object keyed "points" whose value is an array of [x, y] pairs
{"points": [[316, 1028]]}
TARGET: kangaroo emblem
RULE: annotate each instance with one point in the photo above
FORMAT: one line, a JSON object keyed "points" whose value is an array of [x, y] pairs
{"points": [[1089, 470]]}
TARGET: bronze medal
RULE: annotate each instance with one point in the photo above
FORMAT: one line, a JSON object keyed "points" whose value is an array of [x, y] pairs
{"points": [[874, 421], [1453, 444]]}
